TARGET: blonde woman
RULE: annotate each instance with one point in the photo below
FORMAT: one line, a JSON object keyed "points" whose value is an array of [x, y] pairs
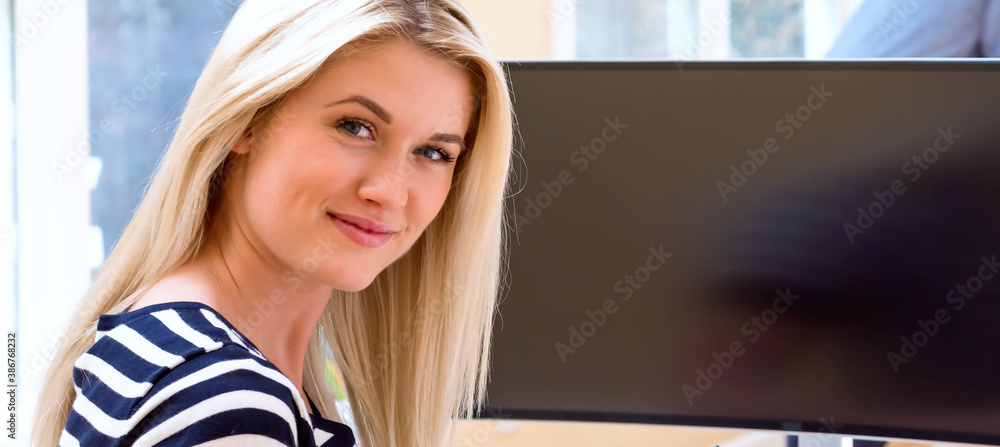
{"points": [[334, 191]]}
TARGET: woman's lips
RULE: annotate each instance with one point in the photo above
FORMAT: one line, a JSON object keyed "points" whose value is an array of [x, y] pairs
{"points": [[361, 237]]}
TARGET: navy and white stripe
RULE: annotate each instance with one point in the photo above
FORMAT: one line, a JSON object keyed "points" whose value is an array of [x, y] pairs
{"points": [[179, 374]]}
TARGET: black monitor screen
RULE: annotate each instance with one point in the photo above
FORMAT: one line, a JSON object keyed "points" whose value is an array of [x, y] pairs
{"points": [[776, 245]]}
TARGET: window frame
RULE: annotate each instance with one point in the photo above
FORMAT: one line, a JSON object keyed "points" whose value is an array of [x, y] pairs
{"points": [[53, 235]]}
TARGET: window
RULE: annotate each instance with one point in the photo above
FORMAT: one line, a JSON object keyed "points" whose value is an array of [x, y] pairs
{"points": [[696, 29], [144, 58]]}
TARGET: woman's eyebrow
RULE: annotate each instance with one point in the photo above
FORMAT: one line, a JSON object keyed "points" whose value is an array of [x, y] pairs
{"points": [[371, 105], [385, 116], [449, 138]]}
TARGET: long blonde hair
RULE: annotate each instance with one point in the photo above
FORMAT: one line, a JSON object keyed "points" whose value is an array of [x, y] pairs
{"points": [[413, 347]]}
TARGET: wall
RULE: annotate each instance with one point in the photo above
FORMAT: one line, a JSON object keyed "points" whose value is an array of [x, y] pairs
{"points": [[515, 29]]}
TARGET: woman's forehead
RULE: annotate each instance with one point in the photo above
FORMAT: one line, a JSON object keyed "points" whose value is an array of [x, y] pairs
{"points": [[397, 78]]}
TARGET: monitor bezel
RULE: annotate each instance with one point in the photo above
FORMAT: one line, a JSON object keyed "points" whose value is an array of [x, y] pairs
{"points": [[788, 427]]}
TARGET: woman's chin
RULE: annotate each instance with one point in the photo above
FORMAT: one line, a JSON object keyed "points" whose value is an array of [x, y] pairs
{"points": [[354, 285]]}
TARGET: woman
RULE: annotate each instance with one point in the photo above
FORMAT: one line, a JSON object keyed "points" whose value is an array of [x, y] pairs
{"points": [[334, 191]]}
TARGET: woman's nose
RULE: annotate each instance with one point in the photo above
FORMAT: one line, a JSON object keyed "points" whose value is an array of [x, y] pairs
{"points": [[386, 183]]}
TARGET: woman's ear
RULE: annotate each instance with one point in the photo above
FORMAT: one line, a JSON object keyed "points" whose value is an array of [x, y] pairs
{"points": [[243, 144]]}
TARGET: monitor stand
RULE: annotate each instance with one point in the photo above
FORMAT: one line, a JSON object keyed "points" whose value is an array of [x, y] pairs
{"points": [[820, 440]]}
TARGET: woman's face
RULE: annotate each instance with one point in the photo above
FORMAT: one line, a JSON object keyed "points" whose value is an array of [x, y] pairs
{"points": [[373, 137]]}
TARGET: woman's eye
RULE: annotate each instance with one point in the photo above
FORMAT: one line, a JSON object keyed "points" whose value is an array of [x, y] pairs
{"points": [[362, 129], [435, 154], [356, 128]]}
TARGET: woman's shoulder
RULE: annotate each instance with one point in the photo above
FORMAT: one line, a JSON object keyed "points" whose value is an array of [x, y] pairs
{"points": [[135, 351], [166, 334], [179, 372]]}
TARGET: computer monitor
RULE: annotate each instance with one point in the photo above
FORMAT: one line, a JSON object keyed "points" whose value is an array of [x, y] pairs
{"points": [[782, 245]]}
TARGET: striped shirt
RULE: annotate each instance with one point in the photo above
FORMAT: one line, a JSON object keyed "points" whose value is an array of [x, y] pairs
{"points": [[179, 374]]}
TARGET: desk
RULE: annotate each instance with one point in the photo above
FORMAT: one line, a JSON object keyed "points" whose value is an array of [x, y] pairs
{"points": [[518, 433]]}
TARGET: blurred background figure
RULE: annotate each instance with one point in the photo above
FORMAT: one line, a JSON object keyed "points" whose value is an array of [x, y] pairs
{"points": [[921, 28]]}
